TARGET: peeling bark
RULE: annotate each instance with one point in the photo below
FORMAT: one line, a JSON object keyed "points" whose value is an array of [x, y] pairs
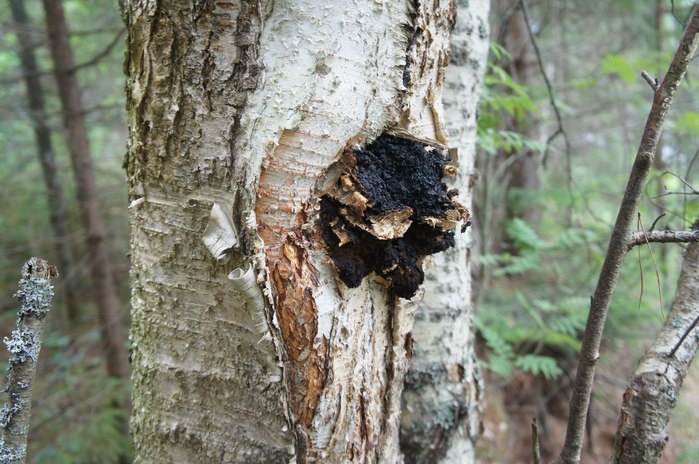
{"points": [[206, 379]]}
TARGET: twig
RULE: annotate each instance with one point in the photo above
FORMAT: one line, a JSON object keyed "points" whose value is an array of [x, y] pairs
{"points": [[687, 331], [618, 245], [672, 10], [686, 176], [549, 88], [91, 62], [684, 182], [642, 280], [560, 130], [655, 265], [655, 222], [105, 51], [686, 194], [662, 236], [536, 448], [34, 294], [652, 81]]}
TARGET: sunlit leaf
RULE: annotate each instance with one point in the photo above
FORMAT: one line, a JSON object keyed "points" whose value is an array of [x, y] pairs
{"points": [[619, 65]]}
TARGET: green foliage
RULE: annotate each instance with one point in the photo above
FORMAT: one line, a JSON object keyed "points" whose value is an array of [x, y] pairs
{"points": [[686, 123], [80, 417], [501, 355], [508, 331], [502, 98], [530, 247], [544, 365], [620, 66], [535, 276]]}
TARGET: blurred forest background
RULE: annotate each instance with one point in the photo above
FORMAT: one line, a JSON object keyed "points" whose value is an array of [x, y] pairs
{"points": [[550, 178]]}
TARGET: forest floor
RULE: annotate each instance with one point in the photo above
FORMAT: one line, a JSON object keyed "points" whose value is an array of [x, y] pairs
{"points": [[511, 405]]}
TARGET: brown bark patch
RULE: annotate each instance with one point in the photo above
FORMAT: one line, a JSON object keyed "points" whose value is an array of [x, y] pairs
{"points": [[285, 186], [294, 280]]}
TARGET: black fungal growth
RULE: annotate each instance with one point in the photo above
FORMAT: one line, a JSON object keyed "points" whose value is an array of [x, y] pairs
{"points": [[389, 176]]}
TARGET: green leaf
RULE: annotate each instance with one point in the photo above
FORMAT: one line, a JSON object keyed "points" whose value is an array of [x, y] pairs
{"points": [[523, 235], [489, 259], [537, 364], [500, 355], [497, 51], [687, 123], [619, 65]]}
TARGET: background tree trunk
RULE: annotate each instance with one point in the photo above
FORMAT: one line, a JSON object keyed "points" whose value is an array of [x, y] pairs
{"points": [[239, 113], [110, 317], [512, 175], [42, 133]]}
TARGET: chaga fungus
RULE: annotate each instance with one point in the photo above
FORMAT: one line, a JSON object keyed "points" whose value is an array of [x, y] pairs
{"points": [[387, 210]]}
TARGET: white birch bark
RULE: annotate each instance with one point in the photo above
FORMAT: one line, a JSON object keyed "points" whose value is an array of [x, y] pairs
{"points": [[246, 346]]}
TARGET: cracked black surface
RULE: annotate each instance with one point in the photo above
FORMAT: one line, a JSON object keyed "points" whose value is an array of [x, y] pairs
{"points": [[393, 173]]}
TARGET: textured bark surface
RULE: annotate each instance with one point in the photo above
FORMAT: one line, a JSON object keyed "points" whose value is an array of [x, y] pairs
{"points": [[108, 308], [654, 387], [34, 294], [441, 415], [238, 113], [206, 385]]}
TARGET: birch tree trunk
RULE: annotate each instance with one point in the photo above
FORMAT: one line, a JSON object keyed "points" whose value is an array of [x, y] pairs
{"points": [[256, 335], [654, 387]]}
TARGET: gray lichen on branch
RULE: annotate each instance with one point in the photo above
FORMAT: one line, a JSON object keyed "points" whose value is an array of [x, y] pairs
{"points": [[387, 209], [662, 236], [34, 294]]}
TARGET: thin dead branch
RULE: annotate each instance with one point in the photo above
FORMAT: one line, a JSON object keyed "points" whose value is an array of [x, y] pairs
{"points": [[662, 236], [549, 88], [652, 81]]}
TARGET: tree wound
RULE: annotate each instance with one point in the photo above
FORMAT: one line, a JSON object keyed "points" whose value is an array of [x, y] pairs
{"points": [[387, 209]]}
